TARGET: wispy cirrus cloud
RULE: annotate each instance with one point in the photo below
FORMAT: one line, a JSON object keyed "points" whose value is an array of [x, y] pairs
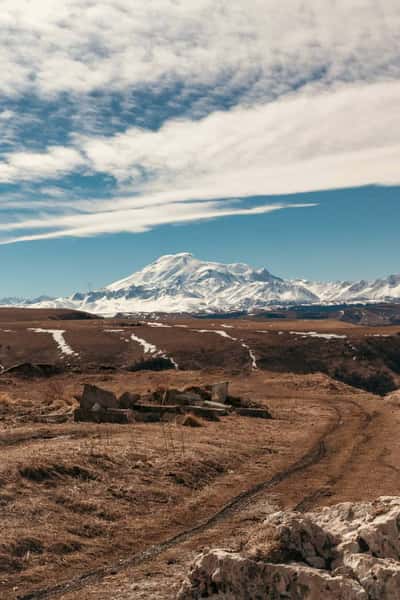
{"points": [[137, 220]]}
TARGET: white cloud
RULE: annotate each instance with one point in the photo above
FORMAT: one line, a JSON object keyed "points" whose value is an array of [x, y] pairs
{"points": [[54, 162], [132, 220], [265, 46], [317, 108], [300, 143]]}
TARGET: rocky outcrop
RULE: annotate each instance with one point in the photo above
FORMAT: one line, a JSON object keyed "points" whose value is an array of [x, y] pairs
{"points": [[345, 552]]}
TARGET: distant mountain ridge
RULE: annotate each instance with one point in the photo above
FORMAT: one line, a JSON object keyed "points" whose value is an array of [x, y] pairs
{"points": [[182, 283]]}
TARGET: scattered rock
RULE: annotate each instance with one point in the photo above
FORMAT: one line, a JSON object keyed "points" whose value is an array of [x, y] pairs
{"points": [[102, 406], [204, 393], [94, 395], [218, 405], [174, 396], [128, 400], [211, 414], [219, 391], [119, 415], [234, 400], [260, 413]]}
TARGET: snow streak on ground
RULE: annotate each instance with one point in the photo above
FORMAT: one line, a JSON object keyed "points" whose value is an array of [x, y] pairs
{"points": [[252, 356], [153, 324], [314, 334], [379, 335], [147, 347], [153, 350], [224, 334], [58, 337]]}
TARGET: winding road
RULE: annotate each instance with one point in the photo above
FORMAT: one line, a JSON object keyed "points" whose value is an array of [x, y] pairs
{"points": [[348, 461]]}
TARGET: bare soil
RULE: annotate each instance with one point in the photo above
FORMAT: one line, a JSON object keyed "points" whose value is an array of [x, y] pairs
{"points": [[118, 511]]}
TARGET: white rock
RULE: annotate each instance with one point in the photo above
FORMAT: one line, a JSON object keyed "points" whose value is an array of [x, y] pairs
{"points": [[344, 552]]}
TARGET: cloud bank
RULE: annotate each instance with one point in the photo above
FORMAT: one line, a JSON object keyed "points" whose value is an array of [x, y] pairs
{"points": [[119, 117]]}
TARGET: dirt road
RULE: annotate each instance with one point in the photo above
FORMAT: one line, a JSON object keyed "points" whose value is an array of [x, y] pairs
{"points": [[352, 455]]}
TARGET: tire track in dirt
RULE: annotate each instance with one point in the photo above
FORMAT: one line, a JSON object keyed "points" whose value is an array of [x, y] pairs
{"points": [[309, 501], [16, 439], [312, 457]]}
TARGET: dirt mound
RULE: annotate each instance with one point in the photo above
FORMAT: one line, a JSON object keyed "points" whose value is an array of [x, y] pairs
{"points": [[28, 370], [43, 314]]}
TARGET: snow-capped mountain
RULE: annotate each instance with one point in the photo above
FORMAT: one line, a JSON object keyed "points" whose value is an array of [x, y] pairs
{"points": [[182, 283], [17, 301], [379, 290]]}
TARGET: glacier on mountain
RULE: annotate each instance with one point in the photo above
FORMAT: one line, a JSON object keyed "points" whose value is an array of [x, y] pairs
{"points": [[182, 283]]}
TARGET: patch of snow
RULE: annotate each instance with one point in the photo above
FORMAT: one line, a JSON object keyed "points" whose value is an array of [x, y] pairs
{"points": [[58, 337], [223, 333], [251, 355], [172, 360], [152, 349], [147, 347], [314, 334], [153, 324], [229, 337], [379, 335]]}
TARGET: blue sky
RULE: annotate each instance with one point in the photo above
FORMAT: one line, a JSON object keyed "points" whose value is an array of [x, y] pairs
{"points": [[259, 131]]}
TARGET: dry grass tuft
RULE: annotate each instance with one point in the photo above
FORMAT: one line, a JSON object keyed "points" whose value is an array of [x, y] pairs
{"points": [[190, 420]]}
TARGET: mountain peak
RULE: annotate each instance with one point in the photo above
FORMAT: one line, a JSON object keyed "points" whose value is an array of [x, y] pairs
{"points": [[178, 256], [182, 283]]}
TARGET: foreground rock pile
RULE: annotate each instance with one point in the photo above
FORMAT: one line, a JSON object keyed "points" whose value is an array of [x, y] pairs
{"points": [[208, 402], [344, 552]]}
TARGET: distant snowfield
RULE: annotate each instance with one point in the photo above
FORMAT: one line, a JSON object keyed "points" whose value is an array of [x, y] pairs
{"points": [[315, 334], [58, 337]]}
